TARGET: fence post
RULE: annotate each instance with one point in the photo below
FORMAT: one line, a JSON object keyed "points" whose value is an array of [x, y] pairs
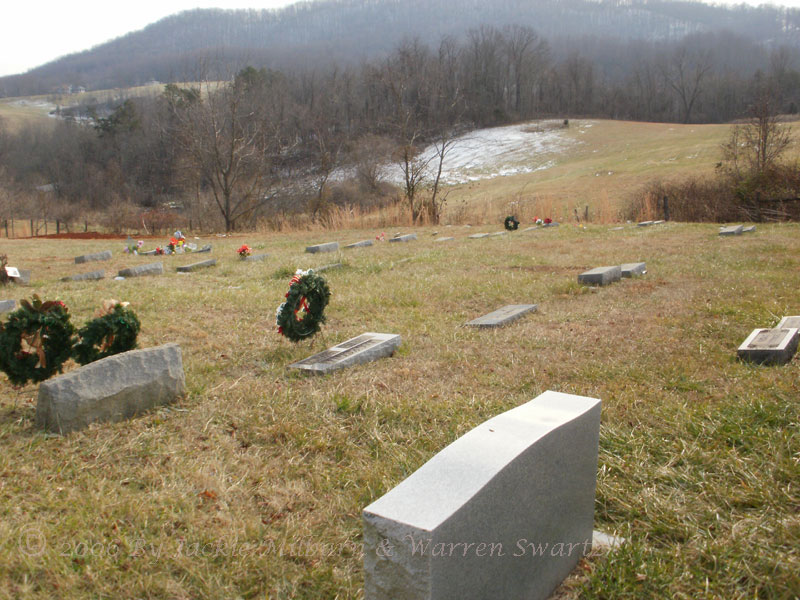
{"points": [[58, 226]]}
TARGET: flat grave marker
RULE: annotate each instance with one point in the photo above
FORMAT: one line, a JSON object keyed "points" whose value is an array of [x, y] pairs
{"points": [[105, 255], [600, 276], [90, 276], [633, 269], [530, 228], [206, 248], [478, 236], [444, 239], [732, 230], [770, 346], [496, 233], [404, 238], [361, 244], [324, 268], [196, 266], [327, 247], [789, 322], [503, 316], [749, 229], [364, 348], [467, 524], [156, 268], [645, 224], [256, 257]]}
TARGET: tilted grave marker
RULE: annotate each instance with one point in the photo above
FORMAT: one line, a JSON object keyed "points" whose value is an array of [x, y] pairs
{"points": [[770, 346], [732, 230], [750, 229], [105, 255], [355, 351], [600, 276], [503, 316]]}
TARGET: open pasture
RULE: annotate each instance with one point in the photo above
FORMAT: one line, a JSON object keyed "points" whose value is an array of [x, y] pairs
{"points": [[252, 486]]}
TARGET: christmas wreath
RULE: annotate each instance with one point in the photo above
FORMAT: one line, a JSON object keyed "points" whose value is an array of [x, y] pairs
{"points": [[36, 341], [303, 312], [511, 223], [113, 331]]}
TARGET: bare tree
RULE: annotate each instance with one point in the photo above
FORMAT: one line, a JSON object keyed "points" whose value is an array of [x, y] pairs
{"points": [[756, 145], [685, 73]]}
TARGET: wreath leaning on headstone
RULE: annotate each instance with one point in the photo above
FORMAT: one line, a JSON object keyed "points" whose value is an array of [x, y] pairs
{"points": [[36, 341], [511, 223], [302, 314], [113, 331]]}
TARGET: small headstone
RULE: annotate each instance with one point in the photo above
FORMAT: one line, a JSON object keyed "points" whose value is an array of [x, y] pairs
{"points": [[633, 269], [256, 257], [24, 277], [361, 349], [361, 244], [91, 276], [329, 247], [111, 389], [324, 268], [505, 511], [770, 346], [7, 305], [198, 265], [503, 316], [789, 322], [749, 229], [732, 230], [601, 276], [658, 222], [206, 248], [156, 268], [477, 236], [404, 238], [444, 239], [645, 224], [106, 255]]}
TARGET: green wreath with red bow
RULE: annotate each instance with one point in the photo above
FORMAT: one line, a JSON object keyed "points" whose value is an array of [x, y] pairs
{"points": [[303, 312]]}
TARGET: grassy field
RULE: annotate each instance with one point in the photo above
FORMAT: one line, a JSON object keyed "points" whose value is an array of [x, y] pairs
{"points": [[252, 486]]}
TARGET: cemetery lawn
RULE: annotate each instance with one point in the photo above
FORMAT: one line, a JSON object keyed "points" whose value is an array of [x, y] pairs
{"points": [[252, 485]]}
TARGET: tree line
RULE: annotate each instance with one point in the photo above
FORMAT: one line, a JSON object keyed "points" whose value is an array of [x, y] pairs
{"points": [[264, 142]]}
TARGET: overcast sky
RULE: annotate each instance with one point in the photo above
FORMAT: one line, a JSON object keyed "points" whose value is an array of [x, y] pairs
{"points": [[35, 32]]}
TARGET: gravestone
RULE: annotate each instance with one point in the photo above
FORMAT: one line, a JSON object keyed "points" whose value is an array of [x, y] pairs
{"points": [[477, 236], [106, 255], [24, 277], [732, 230], [361, 244], [616, 229], [361, 349], [156, 268], [329, 247], [444, 239], [90, 276], [255, 257], [206, 248], [658, 222], [198, 265], [633, 269], [750, 229], [504, 512], [111, 389], [770, 346], [404, 238], [503, 316], [496, 233], [789, 322], [600, 276], [148, 253], [553, 224], [531, 228], [7, 305], [645, 224], [324, 268]]}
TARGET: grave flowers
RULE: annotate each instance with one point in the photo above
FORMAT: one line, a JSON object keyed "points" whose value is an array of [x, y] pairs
{"points": [[302, 314], [244, 251], [134, 248]]}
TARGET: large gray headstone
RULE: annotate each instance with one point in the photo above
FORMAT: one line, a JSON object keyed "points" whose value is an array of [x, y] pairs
{"points": [[329, 247], [503, 512], [789, 322], [503, 316], [770, 346], [198, 265], [633, 269], [361, 244], [106, 255], [156, 268], [7, 305], [732, 230], [90, 276], [112, 389], [601, 276], [404, 238], [361, 349]]}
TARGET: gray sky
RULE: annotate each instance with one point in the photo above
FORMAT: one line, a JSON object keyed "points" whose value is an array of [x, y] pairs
{"points": [[35, 32]]}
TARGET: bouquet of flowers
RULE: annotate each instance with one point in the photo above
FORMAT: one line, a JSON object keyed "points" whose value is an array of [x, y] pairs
{"points": [[131, 248], [244, 251]]}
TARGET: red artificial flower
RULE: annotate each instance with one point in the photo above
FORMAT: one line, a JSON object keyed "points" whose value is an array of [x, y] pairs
{"points": [[548, 220], [173, 241]]}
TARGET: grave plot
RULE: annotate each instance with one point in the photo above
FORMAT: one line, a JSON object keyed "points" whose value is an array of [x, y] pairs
{"points": [[503, 316], [364, 348]]}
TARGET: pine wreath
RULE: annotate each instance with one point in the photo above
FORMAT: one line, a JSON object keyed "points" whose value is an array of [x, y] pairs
{"points": [[36, 341], [109, 334], [303, 312], [511, 223]]}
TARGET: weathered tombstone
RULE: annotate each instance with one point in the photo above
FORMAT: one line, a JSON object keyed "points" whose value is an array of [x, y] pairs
{"points": [[749, 229], [444, 239], [633, 269], [361, 349], [361, 244], [732, 230], [329, 247], [789, 322], [7, 305], [90, 276], [206, 248], [503, 316], [105, 255], [645, 224], [477, 236], [404, 238], [505, 511], [111, 389], [198, 265], [324, 268], [156, 268], [770, 346], [255, 257], [601, 276]]}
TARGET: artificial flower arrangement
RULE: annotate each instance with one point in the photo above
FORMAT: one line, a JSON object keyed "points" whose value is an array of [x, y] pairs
{"points": [[132, 248], [244, 251], [302, 314], [539, 221]]}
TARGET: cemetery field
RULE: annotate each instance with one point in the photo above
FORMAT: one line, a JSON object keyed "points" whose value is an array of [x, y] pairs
{"points": [[252, 485]]}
